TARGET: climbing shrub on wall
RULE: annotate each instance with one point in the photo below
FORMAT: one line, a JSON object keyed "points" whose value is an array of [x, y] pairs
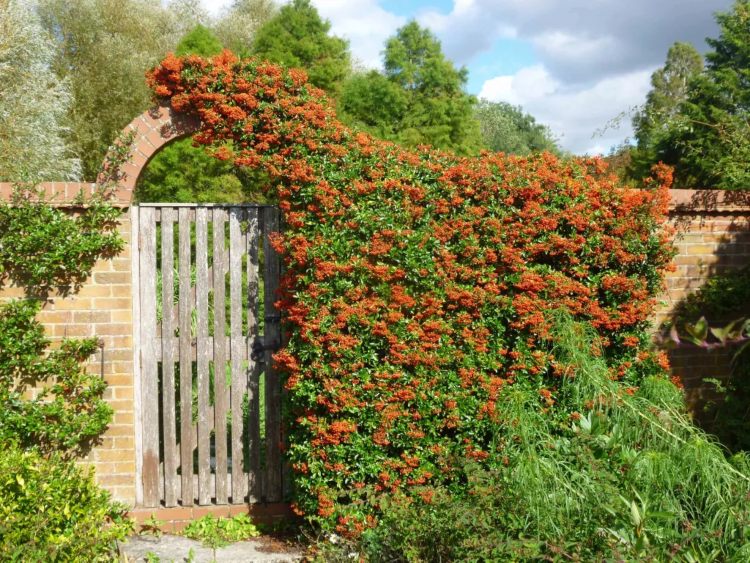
{"points": [[52, 409], [418, 284], [45, 249]]}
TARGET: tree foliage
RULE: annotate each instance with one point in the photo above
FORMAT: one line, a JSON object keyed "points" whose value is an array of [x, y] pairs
{"points": [[297, 37], [420, 98], [238, 26], [506, 128], [708, 139], [199, 41], [184, 173], [103, 49], [655, 121], [33, 101]]}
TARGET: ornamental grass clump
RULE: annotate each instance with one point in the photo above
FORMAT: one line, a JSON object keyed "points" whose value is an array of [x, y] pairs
{"points": [[626, 476], [417, 295]]}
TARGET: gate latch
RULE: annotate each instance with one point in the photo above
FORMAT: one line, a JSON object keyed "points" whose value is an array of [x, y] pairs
{"points": [[260, 346]]}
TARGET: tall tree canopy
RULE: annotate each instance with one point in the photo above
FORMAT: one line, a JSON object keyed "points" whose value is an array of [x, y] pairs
{"points": [[420, 98], [33, 101], [506, 128], [104, 47], [654, 123], [237, 28], [298, 37], [708, 138], [199, 41]]}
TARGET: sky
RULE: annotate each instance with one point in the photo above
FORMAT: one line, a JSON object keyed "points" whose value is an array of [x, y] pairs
{"points": [[578, 66]]}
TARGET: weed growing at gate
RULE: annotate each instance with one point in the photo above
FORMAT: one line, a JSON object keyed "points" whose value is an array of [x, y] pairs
{"points": [[418, 288]]}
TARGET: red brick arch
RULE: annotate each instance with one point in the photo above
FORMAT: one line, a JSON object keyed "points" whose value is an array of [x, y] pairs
{"points": [[153, 129]]}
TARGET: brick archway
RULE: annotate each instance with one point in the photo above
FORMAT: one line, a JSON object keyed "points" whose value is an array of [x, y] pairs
{"points": [[153, 129]]}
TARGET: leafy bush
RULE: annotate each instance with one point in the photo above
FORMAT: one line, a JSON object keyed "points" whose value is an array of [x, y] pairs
{"points": [[68, 413], [417, 285], [51, 510], [43, 248], [51, 410]]}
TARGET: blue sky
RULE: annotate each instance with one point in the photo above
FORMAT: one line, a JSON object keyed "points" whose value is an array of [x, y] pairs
{"points": [[575, 65]]}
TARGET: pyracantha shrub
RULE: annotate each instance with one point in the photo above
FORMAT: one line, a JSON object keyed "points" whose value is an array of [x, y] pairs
{"points": [[417, 284]]}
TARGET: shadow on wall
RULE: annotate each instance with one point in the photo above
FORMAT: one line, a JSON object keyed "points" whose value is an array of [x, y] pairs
{"points": [[712, 279]]}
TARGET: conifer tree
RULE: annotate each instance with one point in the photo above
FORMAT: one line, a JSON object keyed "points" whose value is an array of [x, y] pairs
{"points": [[297, 37], [420, 98]]}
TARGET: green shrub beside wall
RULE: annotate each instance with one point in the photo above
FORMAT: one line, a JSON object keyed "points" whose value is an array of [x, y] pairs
{"points": [[51, 509]]}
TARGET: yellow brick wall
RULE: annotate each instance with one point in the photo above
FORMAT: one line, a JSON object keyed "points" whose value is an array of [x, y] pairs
{"points": [[708, 241], [103, 309]]}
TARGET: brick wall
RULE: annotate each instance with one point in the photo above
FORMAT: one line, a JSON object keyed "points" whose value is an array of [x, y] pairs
{"points": [[712, 237], [103, 309]]}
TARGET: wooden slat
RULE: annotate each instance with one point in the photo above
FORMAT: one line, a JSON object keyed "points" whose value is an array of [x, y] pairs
{"points": [[149, 364], [169, 422], [253, 422], [186, 372], [201, 289], [135, 264], [221, 392], [273, 478], [239, 378]]}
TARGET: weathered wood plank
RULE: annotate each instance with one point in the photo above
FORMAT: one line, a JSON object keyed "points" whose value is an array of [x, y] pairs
{"points": [[135, 264], [149, 363], [169, 420], [201, 290], [253, 421], [239, 377], [272, 324], [186, 369], [221, 392]]}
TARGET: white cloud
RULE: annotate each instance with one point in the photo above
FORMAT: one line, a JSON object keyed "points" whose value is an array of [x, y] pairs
{"points": [[530, 83], [573, 113], [578, 40], [364, 23]]}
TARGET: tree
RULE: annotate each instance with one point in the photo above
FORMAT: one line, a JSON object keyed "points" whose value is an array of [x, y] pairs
{"points": [[33, 101], [506, 128], [654, 121], [199, 41], [430, 105], [298, 37], [236, 29], [183, 173], [103, 49], [708, 141]]}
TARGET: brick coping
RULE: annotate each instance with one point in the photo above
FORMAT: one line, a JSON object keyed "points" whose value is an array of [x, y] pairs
{"points": [[682, 202]]}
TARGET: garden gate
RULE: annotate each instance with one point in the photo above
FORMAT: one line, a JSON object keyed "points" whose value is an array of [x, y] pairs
{"points": [[209, 403]]}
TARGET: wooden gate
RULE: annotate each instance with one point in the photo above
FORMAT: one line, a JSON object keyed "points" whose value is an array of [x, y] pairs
{"points": [[209, 400]]}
